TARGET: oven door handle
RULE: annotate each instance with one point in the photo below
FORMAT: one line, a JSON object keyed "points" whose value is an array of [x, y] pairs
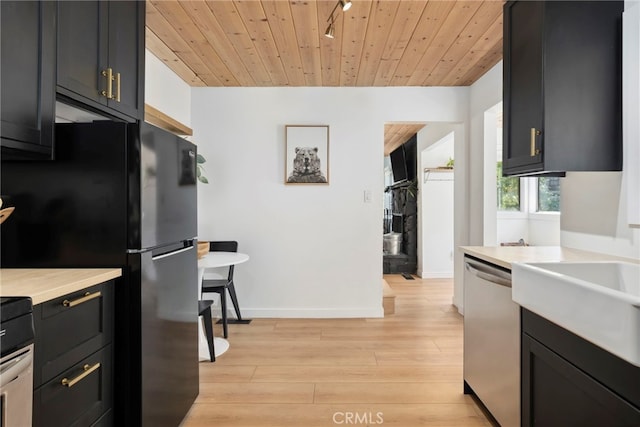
{"points": [[13, 368]]}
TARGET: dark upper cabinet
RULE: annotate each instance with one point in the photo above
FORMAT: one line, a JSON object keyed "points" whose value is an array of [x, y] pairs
{"points": [[101, 55], [28, 79], [562, 87]]}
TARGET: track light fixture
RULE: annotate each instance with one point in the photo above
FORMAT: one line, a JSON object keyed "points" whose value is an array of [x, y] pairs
{"points": [[331, 29]]}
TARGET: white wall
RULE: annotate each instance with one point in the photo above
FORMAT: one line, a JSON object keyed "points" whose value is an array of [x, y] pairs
{"points": [[469, 173], [595, 215], [436, 202], [484, 94], [437, 154], [492, 229], [538, 229], [166, 91], [316, 251], [438, 221], [428, 136]]}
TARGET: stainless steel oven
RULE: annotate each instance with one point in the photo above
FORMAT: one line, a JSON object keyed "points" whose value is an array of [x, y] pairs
{"points": [[16, 362]]}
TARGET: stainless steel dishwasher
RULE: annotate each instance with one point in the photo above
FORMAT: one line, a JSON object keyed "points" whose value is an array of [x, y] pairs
{"points": [[492, 340]]}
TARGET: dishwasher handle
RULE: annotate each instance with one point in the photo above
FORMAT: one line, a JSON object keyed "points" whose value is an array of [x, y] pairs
{"points": [[489, 273]]}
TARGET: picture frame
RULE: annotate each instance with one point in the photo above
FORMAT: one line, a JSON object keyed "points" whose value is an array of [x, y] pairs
{"points": [[306, 154]]}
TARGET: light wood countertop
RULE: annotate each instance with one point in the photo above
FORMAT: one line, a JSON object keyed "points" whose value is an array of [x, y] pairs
{"points": [[44, 284], [505, 255]]}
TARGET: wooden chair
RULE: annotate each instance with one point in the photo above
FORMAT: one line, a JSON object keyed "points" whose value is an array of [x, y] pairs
{"points": [[220, 286]]}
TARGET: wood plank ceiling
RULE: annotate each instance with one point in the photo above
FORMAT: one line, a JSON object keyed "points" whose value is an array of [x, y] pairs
{"points": [[252, 43]]}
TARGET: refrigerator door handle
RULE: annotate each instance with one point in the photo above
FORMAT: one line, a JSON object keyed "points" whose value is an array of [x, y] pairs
{"points": [[169, 254], [189, 242]]}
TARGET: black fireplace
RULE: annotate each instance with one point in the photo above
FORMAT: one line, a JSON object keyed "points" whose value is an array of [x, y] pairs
{"points": [[404, 220]]}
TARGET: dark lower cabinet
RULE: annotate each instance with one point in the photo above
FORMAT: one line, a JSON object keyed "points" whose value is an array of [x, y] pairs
{"points": [[79, 396], [28, 79], [567, 381], [73, 365]]}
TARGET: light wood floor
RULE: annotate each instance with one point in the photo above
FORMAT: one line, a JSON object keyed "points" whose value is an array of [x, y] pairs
{"points": [[404, 370]]}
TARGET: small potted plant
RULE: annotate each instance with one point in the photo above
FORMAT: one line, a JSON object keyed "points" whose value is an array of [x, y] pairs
{"points": [[203, 247], [200, 160]]}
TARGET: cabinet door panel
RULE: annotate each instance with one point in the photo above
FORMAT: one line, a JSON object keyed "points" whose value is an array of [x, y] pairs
{"points": [[82, 48], [82, 403], [556, 393], [124, 52], [27, 51], [523, 84], [88, 326]]}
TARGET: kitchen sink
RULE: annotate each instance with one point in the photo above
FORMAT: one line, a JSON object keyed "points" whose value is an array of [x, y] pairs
{"points": [[599, 301]]}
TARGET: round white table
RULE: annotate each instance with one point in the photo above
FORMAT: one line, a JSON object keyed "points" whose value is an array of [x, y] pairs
{"points": [[215, 259]]}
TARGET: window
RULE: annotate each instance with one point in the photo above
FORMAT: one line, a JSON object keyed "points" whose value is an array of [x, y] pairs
{"points": [[527, 194], [508, 191], [548, 194]]}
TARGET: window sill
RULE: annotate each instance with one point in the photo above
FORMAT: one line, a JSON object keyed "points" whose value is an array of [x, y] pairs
{"points": [[545, 216]]}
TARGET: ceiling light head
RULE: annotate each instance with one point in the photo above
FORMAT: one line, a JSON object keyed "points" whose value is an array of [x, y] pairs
{"points": [[330, 31], [346, 5]]}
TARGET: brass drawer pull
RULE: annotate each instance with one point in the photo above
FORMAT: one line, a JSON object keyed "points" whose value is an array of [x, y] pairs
{"points": [[534, 133], [87, 371], [87, 297]]}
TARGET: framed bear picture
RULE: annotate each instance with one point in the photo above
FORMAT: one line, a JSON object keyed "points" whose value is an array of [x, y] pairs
{"points": [[307, 154]]}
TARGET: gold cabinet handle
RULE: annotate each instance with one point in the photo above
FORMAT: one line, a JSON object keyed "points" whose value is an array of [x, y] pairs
{"points": [[87, 297], [108, 73], [534, 133], [117, 87], [87, 370]]}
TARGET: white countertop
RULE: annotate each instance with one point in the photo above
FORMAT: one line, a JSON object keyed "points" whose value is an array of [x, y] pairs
{"points": [[504, 256]]}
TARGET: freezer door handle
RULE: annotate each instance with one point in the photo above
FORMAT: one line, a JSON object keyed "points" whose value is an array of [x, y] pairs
{"points": [[170, 254], [143, 250], [488, 273]]}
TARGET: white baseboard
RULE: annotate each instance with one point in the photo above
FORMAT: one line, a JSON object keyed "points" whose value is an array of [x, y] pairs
{"points": [[437, 275], [310, 313], [300, 313]]}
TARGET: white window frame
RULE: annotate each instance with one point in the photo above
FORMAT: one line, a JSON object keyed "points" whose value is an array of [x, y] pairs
{"points": [[533, 202], [528, 203]]}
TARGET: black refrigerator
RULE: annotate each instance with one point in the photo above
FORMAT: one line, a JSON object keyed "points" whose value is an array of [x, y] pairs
{"points": [[121, 195]]}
